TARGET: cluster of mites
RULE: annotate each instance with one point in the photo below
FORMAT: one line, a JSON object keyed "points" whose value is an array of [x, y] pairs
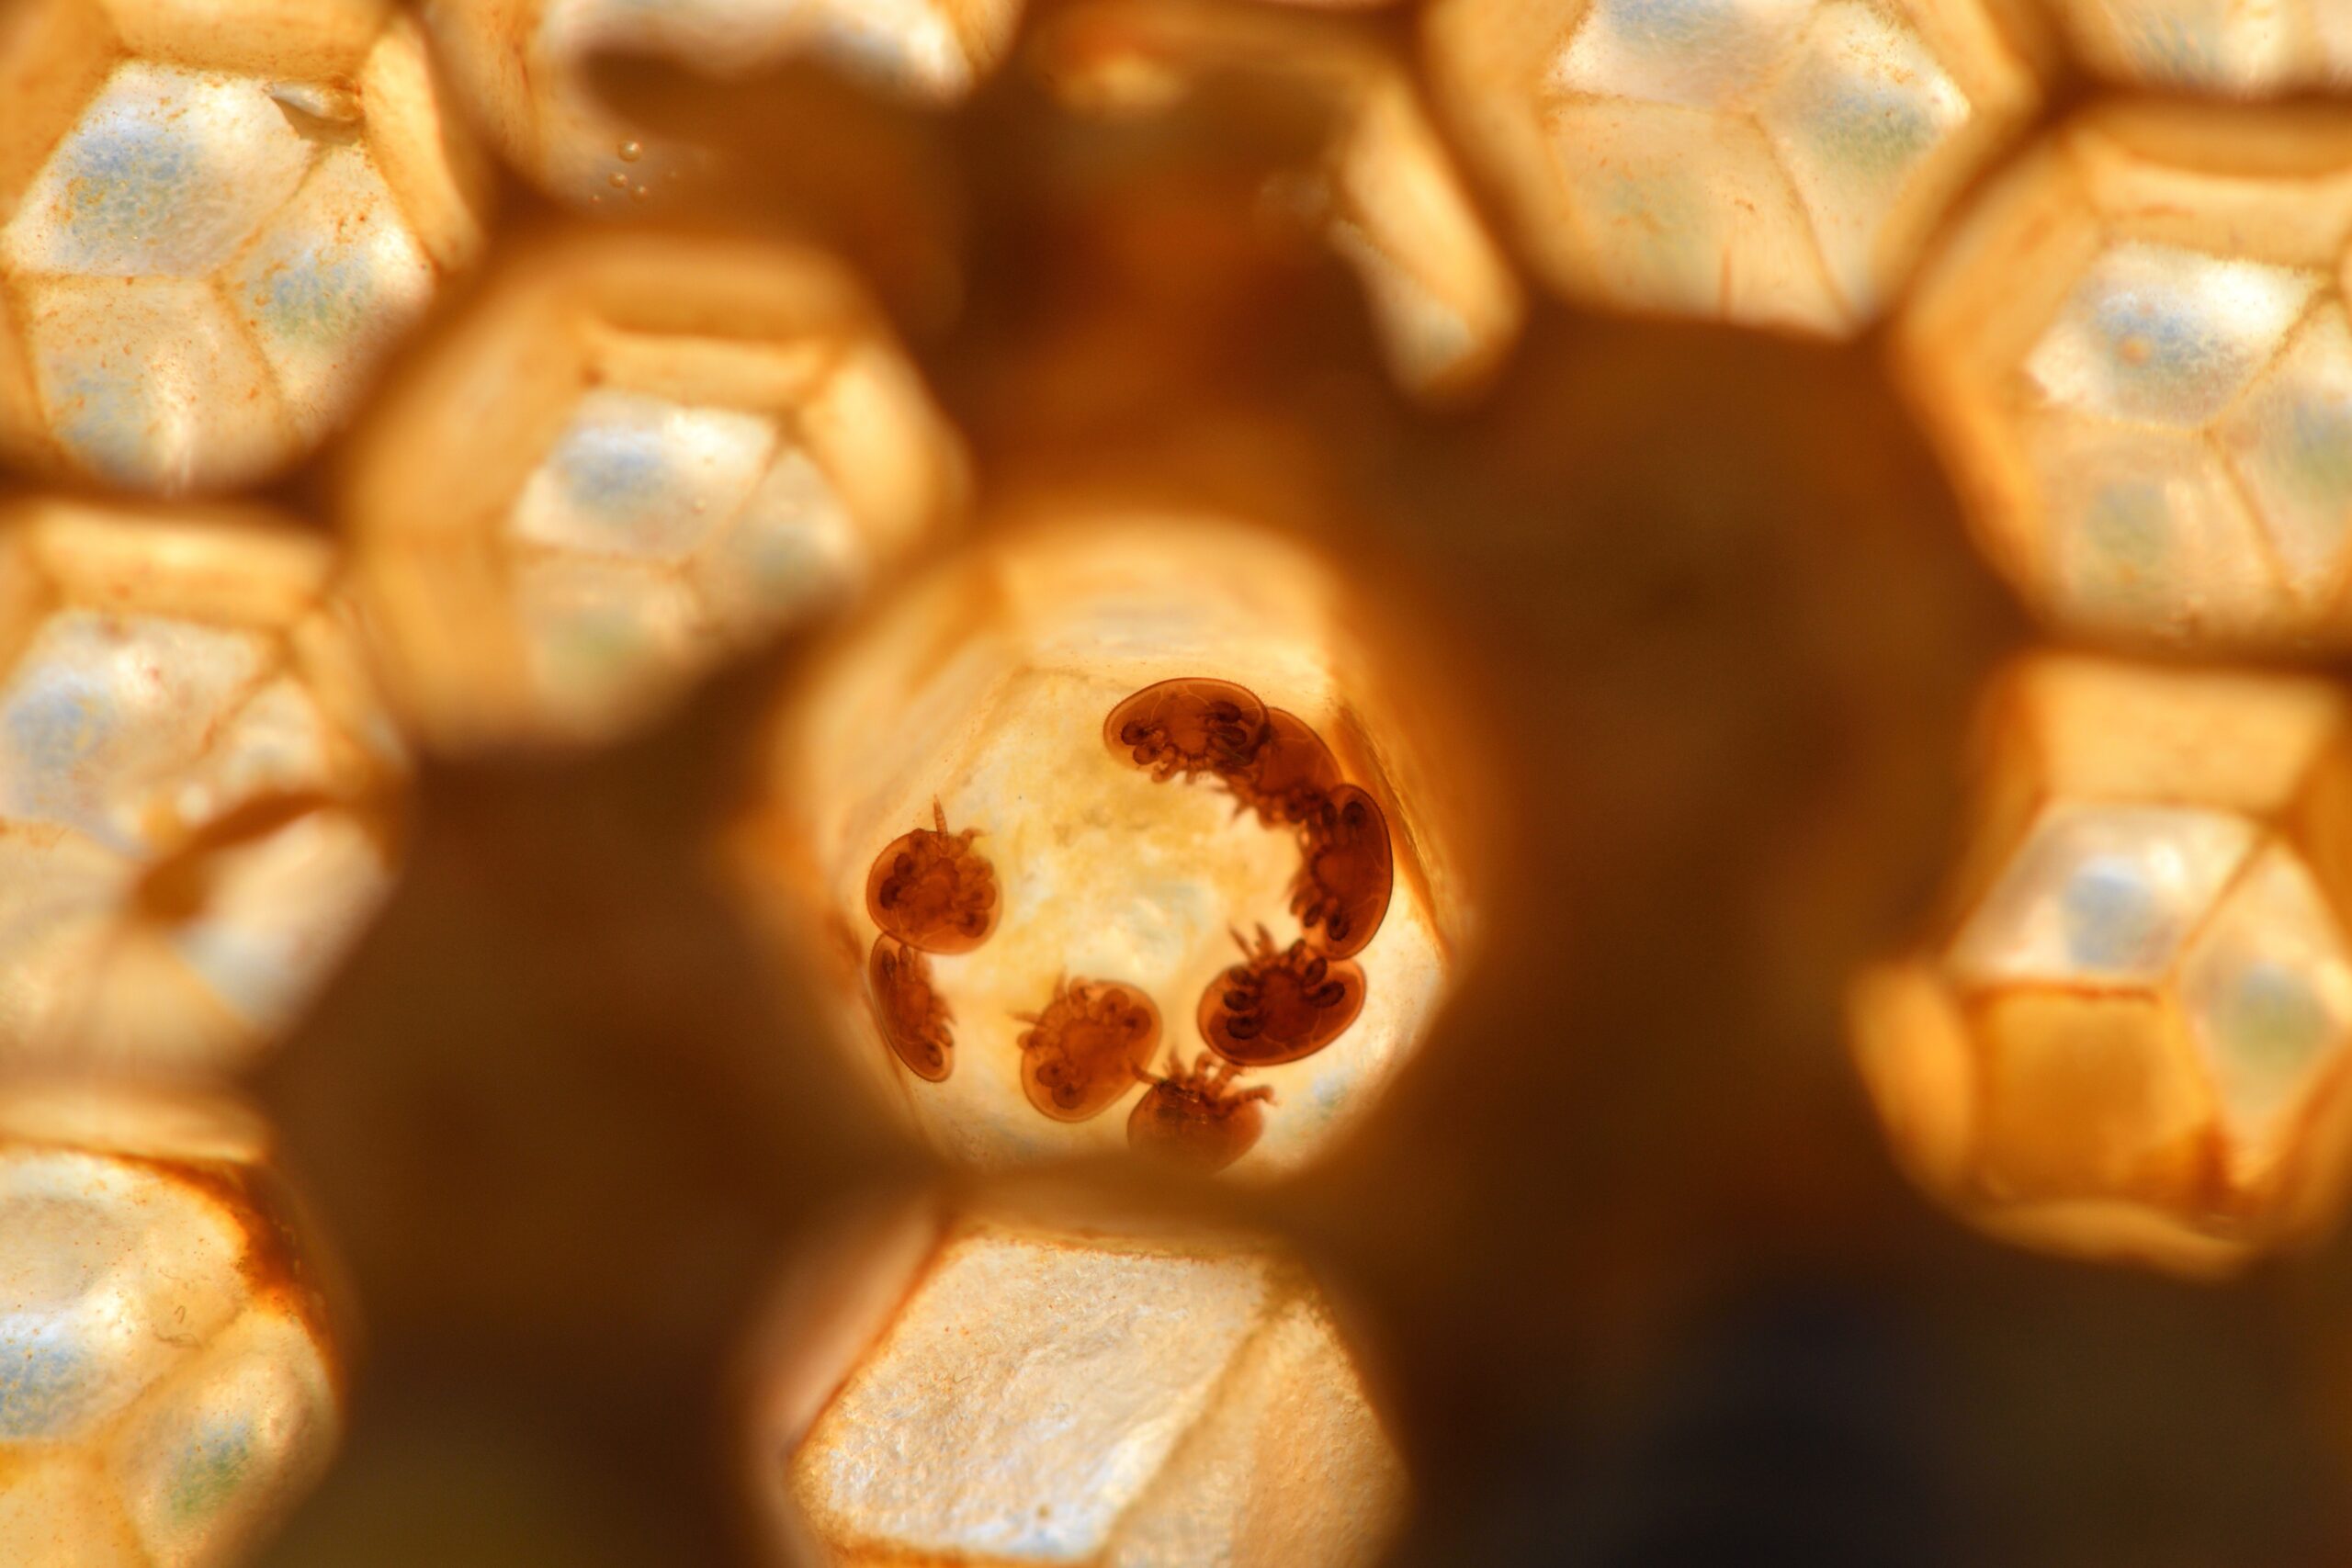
{"points": [[932, 892]]}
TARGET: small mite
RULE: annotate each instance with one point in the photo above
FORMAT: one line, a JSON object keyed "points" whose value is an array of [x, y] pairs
{"points": [[1279, 1007], [1291, 776], [1082, 1053], [1342, 892], [931, 889], [1195, 1119], [912, 1019], [1189, 727]]}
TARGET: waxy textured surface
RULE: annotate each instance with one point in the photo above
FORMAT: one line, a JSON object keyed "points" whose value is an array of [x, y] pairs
{"points": [[1773, 162], [167, 1387], [525, 67], [2128, 1037], [2241, 48], [635, 457], [199, 788], [983, 700], [1004, 1390], [215, 218], [2135, 356]]}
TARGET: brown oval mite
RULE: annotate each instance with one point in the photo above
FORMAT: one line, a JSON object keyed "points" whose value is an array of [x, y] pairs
{"points": [[1083, 1051], [913, 1021], [931, 889], [1279, 1007], [1292, 774], [1341, 893], [1195, 1118], [1189, 725]]}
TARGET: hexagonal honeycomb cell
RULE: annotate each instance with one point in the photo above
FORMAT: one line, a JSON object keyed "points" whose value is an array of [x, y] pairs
{"points": [[1383, 193], [524, 68], [1125, 830], [2135, 357], [1773, 163], [635, 457], [201, 791], [2128, 1036], [1017, 1384], [2227, 46], [169, 1385], [215, 219]]}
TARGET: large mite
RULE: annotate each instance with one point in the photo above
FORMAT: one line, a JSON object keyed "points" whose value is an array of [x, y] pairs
{"points": [[1189, 725], [1277, 1007], [1084, 1051], [913, 1020], [931, 889], [1195, 1118], [1291, 776], [1342, 892]]}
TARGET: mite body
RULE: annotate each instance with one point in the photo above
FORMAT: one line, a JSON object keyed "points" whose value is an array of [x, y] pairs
{"points": [[1082, 1053], [931, 889]]}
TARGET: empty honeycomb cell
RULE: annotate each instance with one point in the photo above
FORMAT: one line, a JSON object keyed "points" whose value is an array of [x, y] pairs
{"points": [[216, 219], [201, 791], [169, 1382], [2132, 355], [1021, 1382], [633, 457], [2128, 1034], [1771, 163]]}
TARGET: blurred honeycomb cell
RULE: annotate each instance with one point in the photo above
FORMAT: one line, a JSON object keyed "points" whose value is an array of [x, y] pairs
{"points": [[1383, 193], [2238, 48], [1012, 1384], [169, 1385], [200, 790], [2135, 357], [2128, 1034], [634, 455], [216, 217], [1122, 832], [524, 68], [1773, 163]]}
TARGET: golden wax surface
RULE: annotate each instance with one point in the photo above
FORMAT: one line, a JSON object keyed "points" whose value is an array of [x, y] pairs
{"points": [[215, 220], [166, 1387], [2231, 48], [636, 456], [201, 791], [2130, 1038], [2135, 356], [1034, 1394], [1773, 163]]}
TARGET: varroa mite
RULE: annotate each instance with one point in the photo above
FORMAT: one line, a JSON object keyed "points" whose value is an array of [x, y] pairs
{"points": [[1290, 777], [1082, 1053], [913, 1020], [1197, 1118], [931, 889], [1341, 893], [1277, 1007], [1189, 726]]}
